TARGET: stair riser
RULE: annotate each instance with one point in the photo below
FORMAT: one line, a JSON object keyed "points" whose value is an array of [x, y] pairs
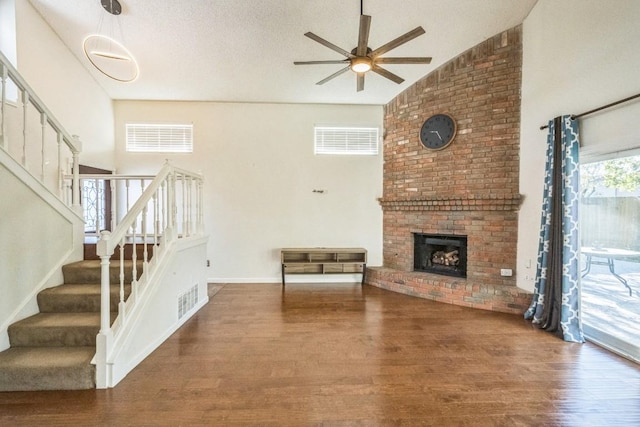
{"points": [[90, 252], [72, 378]]}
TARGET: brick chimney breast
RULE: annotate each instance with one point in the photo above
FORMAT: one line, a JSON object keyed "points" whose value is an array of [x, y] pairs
{"points": [[469, 188]]}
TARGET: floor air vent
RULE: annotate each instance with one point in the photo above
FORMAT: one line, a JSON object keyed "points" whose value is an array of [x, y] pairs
{"points": [[187, 300]]}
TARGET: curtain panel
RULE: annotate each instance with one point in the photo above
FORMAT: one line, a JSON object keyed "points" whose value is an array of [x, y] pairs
{"points": [[556, 300]]}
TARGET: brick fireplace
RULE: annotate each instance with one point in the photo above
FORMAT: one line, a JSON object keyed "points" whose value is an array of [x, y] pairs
{"points": [[468, 189]]}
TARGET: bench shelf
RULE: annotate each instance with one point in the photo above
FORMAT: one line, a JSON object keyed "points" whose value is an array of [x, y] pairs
{"points": [[323, 261]]}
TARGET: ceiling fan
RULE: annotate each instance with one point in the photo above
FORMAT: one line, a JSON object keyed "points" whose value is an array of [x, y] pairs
{"points": [[362, 58]]}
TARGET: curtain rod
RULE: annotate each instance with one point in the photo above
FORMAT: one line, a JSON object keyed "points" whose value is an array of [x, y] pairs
{"points": [[595, 110]]}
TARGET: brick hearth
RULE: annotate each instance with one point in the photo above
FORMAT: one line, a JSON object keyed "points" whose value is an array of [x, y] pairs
{"points": [[470, 188]]}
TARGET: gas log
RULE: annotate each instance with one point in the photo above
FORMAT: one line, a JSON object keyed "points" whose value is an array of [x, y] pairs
{"points": [[445, 258]]}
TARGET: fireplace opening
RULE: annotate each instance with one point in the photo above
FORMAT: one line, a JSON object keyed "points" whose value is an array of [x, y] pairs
{"points": [[440, 254]]}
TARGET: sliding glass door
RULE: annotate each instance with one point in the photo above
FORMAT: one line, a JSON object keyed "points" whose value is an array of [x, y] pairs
{"points": [[610, 237]]}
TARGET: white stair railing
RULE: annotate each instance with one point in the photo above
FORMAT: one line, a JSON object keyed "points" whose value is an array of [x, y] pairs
{"points": [[169, 208], [33, 137], [119, 189]]}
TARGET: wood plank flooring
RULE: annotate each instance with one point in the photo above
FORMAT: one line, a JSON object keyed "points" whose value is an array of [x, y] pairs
{"points": [[342, 354]]}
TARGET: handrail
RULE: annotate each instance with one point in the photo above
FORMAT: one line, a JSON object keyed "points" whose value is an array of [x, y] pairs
{"points": [[108, 176]]}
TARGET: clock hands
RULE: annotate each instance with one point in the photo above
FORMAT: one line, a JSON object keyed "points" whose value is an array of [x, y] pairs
{"points": [[437, 133]]}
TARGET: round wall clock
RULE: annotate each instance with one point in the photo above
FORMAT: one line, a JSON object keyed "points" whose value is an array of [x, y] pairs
{"points": [[438, 131]]}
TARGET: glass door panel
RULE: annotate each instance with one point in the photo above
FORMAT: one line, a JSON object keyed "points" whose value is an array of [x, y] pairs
{"points": [[610, 237]]}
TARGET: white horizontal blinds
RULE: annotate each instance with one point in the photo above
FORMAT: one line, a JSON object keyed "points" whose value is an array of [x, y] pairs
{"points": [[159, 138], [346, 140]]}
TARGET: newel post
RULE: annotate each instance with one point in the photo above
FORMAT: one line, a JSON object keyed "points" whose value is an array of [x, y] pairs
{"points": [[105, 336]]}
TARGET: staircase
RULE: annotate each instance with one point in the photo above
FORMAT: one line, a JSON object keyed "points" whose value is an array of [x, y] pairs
{"points": [[78, 339], [53, 349]]}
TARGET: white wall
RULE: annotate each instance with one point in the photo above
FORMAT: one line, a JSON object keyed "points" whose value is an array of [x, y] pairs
{"points": [[578, 55], [156, 315], [38, 234], [8, 29], [65, 86], [260, 173]]}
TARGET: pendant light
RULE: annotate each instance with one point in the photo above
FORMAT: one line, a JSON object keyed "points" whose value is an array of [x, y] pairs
{"points": [[105, 52]]}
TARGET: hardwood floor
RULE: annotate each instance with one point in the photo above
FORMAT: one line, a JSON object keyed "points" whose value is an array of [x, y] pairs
{"points": [[342, 354]]}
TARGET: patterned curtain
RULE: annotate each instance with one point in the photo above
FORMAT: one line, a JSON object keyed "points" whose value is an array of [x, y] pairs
{"points": [[556, 299]]}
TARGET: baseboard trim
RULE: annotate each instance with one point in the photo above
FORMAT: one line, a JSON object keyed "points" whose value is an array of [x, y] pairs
{"points": [[290, 278]]}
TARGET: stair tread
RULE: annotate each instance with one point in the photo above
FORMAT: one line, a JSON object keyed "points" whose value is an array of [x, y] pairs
{"points": [[32, 357], [58, 320], [90, 271], [56, 329], [78, 298], [47, 368], [80, 289]]}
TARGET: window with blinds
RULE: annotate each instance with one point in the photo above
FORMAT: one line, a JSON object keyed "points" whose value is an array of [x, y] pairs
{"points": [[159, 138], [346, 140]]}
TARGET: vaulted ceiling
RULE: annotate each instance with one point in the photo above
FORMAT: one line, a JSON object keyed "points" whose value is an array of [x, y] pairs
{"points": [[243, 51]]}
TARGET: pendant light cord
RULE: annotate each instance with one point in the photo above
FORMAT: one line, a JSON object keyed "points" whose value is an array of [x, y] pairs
{"points": [[361, 9]]}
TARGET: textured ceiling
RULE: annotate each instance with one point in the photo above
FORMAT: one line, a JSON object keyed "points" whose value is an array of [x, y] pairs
{"points": [[233, 50]]}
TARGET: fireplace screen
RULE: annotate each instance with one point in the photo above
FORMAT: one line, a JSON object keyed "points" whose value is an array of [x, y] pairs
{"points": [[440, 254]]}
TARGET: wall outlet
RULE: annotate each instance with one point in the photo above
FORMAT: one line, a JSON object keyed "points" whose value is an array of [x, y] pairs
{"points": [[506, 272], [208, 263]]}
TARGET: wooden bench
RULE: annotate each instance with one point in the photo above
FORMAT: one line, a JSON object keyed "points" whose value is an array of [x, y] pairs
{"points": [[323, 261]]}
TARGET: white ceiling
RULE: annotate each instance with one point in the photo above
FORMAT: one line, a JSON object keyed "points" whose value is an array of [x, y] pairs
{"points": [[243, 51]]}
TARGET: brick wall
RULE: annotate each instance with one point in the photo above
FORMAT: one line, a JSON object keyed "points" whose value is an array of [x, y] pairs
{"points": [[469, 188]]}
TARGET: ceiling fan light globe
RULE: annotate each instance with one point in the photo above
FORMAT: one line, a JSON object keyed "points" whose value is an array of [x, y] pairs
{"points": [[360, 65]]}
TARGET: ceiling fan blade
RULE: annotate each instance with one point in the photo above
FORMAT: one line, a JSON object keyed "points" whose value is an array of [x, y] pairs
{"points": [[387, 74], [335, 61], [328, 44], [363, 35], [404, 60], [418, 31], [336, 74], [360, 81]]}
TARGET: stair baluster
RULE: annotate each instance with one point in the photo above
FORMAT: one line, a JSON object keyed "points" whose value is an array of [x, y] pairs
{"points": [[121, 304], [4, 72], [188, 206], [156, 222], [25, 131], [43, 156], [145, 253], [134, 259]]}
